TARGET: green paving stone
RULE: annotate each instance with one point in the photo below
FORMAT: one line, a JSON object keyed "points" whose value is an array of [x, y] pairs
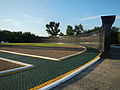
{"points": [[45, 70]]}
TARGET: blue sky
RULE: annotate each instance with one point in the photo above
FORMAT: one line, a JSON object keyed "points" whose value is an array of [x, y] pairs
{"points": [[33, 15]]}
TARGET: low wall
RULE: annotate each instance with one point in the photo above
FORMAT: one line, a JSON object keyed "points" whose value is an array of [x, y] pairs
{"points": [[94, 39]]}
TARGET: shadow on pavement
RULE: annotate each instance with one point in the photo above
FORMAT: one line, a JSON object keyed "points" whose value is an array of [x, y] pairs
{"points": [[78, 77], [115, 52]]}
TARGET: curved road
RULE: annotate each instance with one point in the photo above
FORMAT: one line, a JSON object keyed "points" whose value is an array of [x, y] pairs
{"points": [[104, 75]]}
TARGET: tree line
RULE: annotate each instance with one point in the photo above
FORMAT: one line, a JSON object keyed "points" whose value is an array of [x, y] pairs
{"points": [[17, 37], [53, 30]]}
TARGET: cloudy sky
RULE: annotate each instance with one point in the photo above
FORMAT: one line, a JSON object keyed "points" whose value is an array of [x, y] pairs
{"points": [[33, 15]]}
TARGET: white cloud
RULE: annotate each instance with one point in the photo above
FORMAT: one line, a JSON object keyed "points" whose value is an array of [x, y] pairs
{"points": [[40, 21], [90, 18], [45, 1], [15, 22], [118, 17], [34, 19], [7, 20], [26, 16], [94, 17]]}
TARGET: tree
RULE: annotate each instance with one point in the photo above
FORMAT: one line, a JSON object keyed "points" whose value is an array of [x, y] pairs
{"points": [[115, 35], [78, 29], [61, 34], [52, 28], [17, 37], [69, 30], [95, 29], [91, 30]]}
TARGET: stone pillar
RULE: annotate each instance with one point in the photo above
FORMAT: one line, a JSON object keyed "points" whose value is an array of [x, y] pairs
{"points": [[107, 22]]}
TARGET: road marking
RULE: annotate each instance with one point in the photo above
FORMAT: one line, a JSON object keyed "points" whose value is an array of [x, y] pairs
{"points": [[43, 57], [15, 70], [54, 82]]}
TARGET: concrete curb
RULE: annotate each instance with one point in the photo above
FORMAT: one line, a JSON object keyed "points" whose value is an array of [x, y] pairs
{"points": [[115, 47], [65, 78], [11, 71]]}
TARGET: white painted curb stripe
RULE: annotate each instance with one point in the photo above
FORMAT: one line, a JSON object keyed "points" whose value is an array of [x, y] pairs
{"points": [[28, 55], [115, 46], [17, 62], [16, 69], [43, 56], [51, 85], [73, 54]]}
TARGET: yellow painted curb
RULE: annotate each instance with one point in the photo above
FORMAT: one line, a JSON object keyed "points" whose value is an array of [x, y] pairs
{"points": [[61, 76], [13, 72]]}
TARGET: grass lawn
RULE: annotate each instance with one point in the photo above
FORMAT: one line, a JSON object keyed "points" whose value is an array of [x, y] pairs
{"points": [[37, 44]]}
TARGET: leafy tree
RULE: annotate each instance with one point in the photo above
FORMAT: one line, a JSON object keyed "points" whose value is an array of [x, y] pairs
{"points": [[95, 29], [115, 35], [26, 37], [17, 37], [69, 30], [115, 29], [78, 29], [61, 34], [52, 28], [5, 35], [91, 30]]}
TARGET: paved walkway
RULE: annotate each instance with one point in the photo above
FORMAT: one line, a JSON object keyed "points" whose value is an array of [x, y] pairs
{"points": [[104, 75], [45, 70]]}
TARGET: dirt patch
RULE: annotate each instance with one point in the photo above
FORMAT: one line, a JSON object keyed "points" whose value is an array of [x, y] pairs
{"points": [[53, 52], [5, 65]]}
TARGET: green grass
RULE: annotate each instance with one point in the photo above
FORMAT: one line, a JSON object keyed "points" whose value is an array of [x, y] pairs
{"points": [[35, 44]]}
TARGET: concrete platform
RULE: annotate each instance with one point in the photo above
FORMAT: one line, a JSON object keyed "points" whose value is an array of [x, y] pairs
{"points": [[104, 75]]}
